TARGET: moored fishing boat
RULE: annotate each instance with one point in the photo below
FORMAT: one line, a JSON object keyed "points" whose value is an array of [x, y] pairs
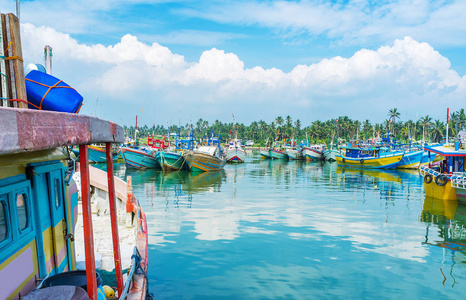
{"points": [[277, 154], [411, 160], [235, 152], [294, 153], [371, 158], [264, 153], [330, 154], [39, 207], [204, 159], [139, 158], [314, 152], [170, 160], [441, 179]]}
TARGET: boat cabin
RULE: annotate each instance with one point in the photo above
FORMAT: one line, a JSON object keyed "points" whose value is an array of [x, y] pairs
{"points": [[354, 152], [38, 199], [157, 142]]}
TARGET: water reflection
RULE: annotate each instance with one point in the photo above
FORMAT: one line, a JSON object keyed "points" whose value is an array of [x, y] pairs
{"points": [[446, 228]]}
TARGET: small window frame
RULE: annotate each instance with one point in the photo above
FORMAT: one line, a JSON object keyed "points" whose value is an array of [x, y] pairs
{"points": [[6, 211], [27, 204]]}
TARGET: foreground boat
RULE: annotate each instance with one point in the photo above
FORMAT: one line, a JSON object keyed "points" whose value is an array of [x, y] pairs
{"points": [[444, 180], [38, 237], [371, 158], [138, 158], [205, 159]]}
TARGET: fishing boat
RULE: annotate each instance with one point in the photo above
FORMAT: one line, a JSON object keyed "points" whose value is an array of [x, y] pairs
{"points": [[139, 158], [205, 159], [157, 142], [411, 160], [330, 154], [294, 153], [39, 208], [314, 152], [276, 153], [265, 153], [371, 158], [444, 180], [173, 158], [235, 152]]}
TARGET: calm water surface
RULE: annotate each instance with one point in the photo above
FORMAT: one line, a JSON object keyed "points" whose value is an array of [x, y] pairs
{"points": [[292, 230]]}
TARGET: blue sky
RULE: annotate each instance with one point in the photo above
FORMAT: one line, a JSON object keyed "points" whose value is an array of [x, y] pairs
{"points": [[177, 61]]}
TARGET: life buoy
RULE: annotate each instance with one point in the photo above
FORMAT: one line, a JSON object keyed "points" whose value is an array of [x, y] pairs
{"points": [[428, 178], [362, 160], [441, 180]]}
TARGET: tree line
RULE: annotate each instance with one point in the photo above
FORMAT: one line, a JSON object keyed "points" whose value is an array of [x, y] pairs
{"points": [[340, 129]]}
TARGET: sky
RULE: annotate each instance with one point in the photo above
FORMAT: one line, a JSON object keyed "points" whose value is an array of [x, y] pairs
{"points": [[174, 62]]}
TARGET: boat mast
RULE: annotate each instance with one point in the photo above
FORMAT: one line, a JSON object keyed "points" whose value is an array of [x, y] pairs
{"points": [[448, 114], [48, 59]]}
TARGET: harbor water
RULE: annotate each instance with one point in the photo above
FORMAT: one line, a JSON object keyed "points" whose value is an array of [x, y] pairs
{"points": [[294, 230]]}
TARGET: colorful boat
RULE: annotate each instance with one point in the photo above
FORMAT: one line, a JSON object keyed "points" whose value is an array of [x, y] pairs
{"points": [[277, 154], [170, 160], [330, 154], [265, 153], [314, 152], [139, 158], [294, 153], [39, 208], [411, 160], [371, 158], [205, 159], [235, 152], [444, 180], [157, 142]]}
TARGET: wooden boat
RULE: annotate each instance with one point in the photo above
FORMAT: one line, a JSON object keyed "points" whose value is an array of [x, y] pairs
{"points": [[444, 180], [314, 152], [39, 206], [265, 153], [139, 158], [170, 160], [277, 154], [294, 153], [330, 154], [371, 158], [205, 159], [235, 152], [411, 160]]}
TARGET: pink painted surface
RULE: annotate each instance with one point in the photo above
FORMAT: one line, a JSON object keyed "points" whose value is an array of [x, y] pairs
{"points": [[99, 180], [15, 273]]}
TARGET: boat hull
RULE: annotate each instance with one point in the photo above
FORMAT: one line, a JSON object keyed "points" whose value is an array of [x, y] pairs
{"points": [[200, 162], [411, 160], [311, 154], [139, 159], [170, 160], [330, 155], [386, 162], [294, 154], [264, 153], [277, 154], [433, 190], [235, 155]]}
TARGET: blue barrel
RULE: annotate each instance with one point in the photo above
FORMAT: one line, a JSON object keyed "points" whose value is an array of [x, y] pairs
{"points": [[58, 95]]}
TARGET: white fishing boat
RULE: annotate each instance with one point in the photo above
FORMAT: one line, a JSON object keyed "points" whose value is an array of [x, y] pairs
{"points": [[294, 153], [330, 154], [314, 152], [235, 152]]}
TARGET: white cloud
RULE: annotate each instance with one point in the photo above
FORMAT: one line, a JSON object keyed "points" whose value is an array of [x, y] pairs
{"points": [[407, 69]]}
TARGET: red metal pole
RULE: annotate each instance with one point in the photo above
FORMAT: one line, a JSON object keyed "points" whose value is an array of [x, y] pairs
{"points": [[113, 218], [87, 222]]}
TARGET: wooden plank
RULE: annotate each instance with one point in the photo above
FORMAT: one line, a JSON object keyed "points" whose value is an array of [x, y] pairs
{"points": [[20, 83], [7, 63], [3, 81]]}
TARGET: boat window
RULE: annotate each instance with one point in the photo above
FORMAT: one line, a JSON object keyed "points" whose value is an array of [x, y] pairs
{"points": [[57, 192], [3, 222], [22, 209]]}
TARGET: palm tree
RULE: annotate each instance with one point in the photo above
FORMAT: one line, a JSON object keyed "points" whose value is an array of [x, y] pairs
{"points": [[437, 131], [426, 121], [279, 121], [393, 113]]}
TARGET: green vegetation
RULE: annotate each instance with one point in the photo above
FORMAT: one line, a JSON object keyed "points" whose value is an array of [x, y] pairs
{"points": [[318, 131]]}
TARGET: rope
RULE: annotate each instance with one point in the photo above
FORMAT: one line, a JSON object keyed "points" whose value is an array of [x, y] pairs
{"points": [[10, 57]]}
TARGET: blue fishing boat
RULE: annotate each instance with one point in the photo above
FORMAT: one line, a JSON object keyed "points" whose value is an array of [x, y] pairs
{"points": [[411, 160], [174, 159], [371, 158], [139, 158]]}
